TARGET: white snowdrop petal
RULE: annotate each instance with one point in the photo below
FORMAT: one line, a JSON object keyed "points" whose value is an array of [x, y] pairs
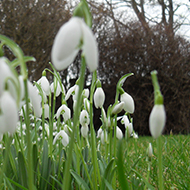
{"points": [[65, 46], [90, 48], [157, 120], [84, 131], [10, 112], [99, 97], [119, 133], [84, 118], [35, 99], [44, 83], [129, 105]]}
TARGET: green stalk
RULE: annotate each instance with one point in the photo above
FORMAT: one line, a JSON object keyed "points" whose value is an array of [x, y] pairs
{"points": [[160, 167], [67, 176], [93, 139], [29, 142]]}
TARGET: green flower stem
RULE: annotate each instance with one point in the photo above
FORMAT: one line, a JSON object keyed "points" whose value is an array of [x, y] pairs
{"points": [[6, 156], [67, 176], [158, 98], [93, 136], [160, 167], [148, 173], [50, 127], [29, 141]]}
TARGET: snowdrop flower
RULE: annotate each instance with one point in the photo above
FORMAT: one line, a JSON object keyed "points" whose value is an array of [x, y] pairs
{"points": [[58, 89], [103, 137], [86, 93], [117, 108], [150, 150], [62, 135], [67, 43], [46, 110], [35, 99], [99, 132], [129, 105], [9, 113], [73, 90], [44, 83], [64, 111], [47, 129], [5, 72], [84, 130], [99, 97], [157, 120], [119, 133], [84, 118]]}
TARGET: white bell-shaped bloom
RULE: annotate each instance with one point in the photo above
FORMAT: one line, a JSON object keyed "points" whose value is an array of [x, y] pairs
{"points": [[35, 99], [84, 118], [150, 150], [129, 105], [157, 120], [68, 41], [64, 111], [46, 110], [84, 131], [62, 135], [99, 97], [5, 73], [9, 113], [44, 83], [99, 132], [104, 137], [58, 89], [86, 92], [119, 133], [117, 108], [70, 92]]}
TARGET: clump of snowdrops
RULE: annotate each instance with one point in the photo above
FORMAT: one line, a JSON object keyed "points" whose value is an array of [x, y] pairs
{"points": [[45, 148]]}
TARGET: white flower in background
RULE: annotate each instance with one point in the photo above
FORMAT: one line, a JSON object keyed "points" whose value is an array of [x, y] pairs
{"points": [[117, 108], [46, 110], [72, 91], [62, 135], [104, 137], [84, 131], [119, 133], [129, 105], [99, 97], [44, 83], [5, 73], [135, 135], [47, 129], [58, 89], [86, 92], [73, 36], [9, 113], [64, 111], [84, 118], [150, 150], [35, 99], [157, 120], [99, 132]]}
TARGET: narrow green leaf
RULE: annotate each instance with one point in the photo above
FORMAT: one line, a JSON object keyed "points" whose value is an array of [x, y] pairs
{"points": [[122, 79], [17, 184], [16, 62], [22, 170], [108, 185], [120, 167], [145, 181], [80, 181]]}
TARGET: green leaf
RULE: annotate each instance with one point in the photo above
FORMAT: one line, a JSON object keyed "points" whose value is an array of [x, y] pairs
{"points": [[22, 170], [120, 167], [145, 181], [17, 184], [44, 167], [108, 185], [79, 180], [122, 79], [16, 62]]}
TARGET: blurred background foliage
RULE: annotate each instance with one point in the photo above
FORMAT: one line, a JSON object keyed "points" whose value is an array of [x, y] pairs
{"points": [[125, 45]]}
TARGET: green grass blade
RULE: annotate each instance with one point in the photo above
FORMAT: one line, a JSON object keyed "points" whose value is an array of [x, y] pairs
{"points": [[80, 181]]}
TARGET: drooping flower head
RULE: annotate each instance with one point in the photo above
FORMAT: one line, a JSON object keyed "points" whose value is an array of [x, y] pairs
{"points": [[73, 36]]}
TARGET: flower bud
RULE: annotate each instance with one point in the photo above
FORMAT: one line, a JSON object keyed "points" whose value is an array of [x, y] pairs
{"points": [[99, 97], [119, 133], [129, 105], [84, 131], [117, 108], [157, 120]]}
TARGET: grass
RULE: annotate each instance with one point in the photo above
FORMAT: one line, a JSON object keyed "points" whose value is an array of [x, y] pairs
{"points": [[176, 162]]}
